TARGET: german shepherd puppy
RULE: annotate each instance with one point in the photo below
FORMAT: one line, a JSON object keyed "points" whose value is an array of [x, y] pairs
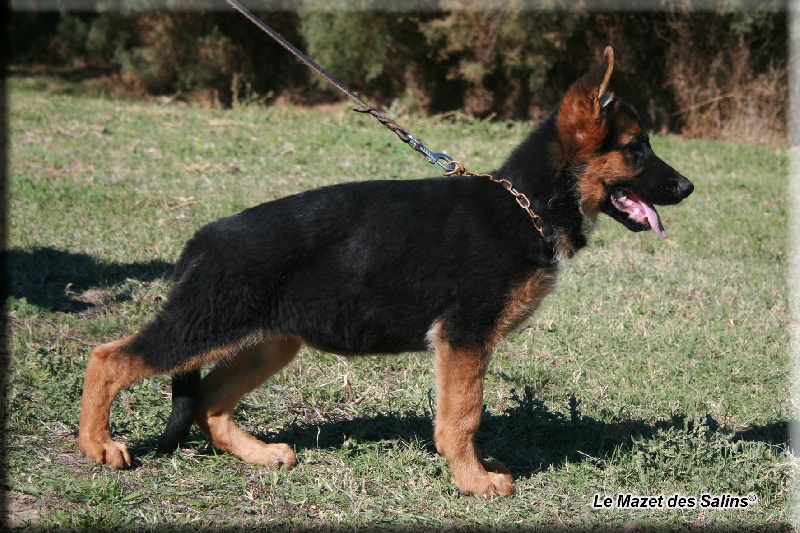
{"points": [[449, 264]]}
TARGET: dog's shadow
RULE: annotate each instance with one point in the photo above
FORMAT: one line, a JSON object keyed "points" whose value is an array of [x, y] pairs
{"points": [[59, 280], [527, 437]]}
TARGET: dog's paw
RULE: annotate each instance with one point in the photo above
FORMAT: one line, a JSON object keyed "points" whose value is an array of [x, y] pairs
{"points": [[275, 455], [488, 485], [112, 453], [496, 481]]}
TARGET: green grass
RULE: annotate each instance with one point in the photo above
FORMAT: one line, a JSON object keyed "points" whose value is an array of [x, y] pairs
{"points": [[657, 367]]}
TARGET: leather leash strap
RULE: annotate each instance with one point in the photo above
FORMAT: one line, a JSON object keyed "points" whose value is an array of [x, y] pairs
{"points": [[443, 160], [363, 107]]}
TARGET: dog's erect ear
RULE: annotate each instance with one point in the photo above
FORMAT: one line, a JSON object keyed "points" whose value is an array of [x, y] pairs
{"points": [[579, 112], [594, 84], [606, 66]]}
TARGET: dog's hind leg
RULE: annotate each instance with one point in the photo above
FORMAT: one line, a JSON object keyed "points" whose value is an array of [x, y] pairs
{"points": [[110, 369], [227, 383], [459, 403], [116, 365]]}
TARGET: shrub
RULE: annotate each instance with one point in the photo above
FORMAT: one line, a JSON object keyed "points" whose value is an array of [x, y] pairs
{"points": [[716, 73], [728, 74], [502, 56]]}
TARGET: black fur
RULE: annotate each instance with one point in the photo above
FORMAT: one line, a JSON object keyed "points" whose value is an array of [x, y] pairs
{"points": [[354, 268], [184, 402]]}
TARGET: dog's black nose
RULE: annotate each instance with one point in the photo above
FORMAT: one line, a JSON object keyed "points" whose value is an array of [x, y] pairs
{"points": [[685, 186]]}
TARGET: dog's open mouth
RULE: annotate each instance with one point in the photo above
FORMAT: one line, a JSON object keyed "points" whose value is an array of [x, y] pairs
{"points": [[637, 209]]}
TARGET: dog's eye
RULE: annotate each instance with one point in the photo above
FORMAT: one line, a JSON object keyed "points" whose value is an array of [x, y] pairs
{"points": [[637, 152]]}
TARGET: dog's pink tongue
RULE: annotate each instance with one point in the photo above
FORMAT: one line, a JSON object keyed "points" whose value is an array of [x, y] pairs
{"points": [[653, 219]]}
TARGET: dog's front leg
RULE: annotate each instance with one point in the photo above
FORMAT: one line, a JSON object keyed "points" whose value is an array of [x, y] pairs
{"points": [[459, 402]]}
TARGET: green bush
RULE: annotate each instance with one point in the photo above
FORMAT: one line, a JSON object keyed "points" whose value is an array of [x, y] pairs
{"points": [[502, 56], [351, 45], [109, 37], [381, 53], [713, 73], [180, 52]]}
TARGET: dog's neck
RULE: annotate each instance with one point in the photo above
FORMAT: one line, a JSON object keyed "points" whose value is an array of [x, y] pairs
{"points": [[533, 170]]}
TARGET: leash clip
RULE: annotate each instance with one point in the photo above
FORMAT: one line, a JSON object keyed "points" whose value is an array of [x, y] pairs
{"points": [[433, 158], [449, 164]]}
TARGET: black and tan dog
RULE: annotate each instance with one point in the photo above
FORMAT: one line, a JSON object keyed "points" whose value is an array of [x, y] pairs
{"points": [[450, 264]]}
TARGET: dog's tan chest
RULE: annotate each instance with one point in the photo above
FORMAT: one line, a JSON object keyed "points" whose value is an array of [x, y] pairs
{"points": [[524, 300]]}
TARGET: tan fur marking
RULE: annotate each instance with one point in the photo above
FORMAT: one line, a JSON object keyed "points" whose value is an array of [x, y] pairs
{"points": [[227, 383], [579, 126], [107, 372], [580, 132], [608, 55], [628, 137], [598, 176], [564, 246], [224, 352], [110, 370], [630, 131], [459, 402], [524, 300]]}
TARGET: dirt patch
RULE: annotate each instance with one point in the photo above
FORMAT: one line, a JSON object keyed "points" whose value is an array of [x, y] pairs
{"points": [[21, 511]]}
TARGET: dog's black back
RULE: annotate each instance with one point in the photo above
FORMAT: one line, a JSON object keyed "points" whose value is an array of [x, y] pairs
{"points": [[355, 268]]}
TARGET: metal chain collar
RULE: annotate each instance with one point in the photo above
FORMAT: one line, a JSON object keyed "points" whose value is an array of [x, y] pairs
{"points": [[521, 199]]}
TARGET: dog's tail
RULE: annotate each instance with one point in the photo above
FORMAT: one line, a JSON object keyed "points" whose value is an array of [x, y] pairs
{"points": [[185, 396]]}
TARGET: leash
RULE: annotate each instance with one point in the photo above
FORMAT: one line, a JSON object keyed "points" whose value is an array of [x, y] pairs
{"points": [[436, 158], [448, 164]]}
